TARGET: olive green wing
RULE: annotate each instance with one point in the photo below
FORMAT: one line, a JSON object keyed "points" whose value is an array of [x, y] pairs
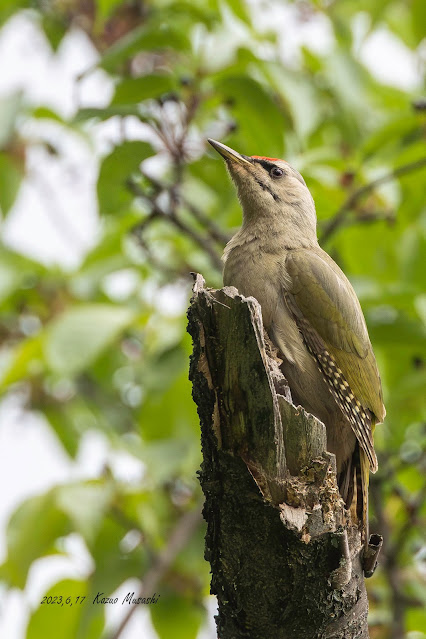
{"points": [[331, 321]]}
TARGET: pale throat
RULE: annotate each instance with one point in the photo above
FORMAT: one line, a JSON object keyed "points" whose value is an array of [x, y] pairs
{"points": [[280, 225]]}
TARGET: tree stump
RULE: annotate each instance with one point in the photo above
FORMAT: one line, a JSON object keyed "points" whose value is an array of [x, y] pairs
{"points": [[284, 554]]}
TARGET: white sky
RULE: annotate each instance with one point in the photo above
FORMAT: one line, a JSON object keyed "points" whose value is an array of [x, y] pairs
{"points": [[31, 460]]}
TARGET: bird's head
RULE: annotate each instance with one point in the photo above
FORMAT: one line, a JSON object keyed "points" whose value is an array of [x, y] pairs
{"points": [[271, 191]]}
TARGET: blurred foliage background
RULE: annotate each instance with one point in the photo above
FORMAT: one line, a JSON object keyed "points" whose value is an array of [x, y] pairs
{"points": [[101, 346]]}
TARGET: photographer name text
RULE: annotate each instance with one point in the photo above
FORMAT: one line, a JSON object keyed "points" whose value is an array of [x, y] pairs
{"points": [[129, 599]]}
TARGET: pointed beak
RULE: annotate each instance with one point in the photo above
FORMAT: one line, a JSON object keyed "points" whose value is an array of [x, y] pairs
{"points": [[229, 154]]}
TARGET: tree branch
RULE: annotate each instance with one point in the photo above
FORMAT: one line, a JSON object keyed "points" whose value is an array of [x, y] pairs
{"points": [[180, 536], [173, 217], [214, 230], [337, 220]]}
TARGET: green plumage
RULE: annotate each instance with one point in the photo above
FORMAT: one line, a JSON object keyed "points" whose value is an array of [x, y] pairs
{"points": [[324, 297]]}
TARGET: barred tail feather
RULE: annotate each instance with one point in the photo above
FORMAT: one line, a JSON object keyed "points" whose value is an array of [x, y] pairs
{"points": [[354, 480], [365, 479]]}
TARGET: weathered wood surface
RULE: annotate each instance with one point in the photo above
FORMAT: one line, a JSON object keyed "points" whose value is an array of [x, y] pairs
{"points": [[284, 556]]}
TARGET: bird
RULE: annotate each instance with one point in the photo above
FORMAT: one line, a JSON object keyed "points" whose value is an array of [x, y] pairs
{"points": [[310, 312]]}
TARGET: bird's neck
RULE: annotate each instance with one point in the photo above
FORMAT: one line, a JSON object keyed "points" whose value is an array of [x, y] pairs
{"points": [[289, 227]]}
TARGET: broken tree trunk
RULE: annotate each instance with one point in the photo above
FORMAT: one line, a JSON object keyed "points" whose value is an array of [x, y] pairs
{"points": [[284, 555]]}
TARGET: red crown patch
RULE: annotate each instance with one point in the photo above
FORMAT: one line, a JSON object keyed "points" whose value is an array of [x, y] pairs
{"points": [[261, 157]]}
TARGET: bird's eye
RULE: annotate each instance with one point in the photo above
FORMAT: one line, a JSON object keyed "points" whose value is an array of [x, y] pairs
{"points": [[276, 172]]}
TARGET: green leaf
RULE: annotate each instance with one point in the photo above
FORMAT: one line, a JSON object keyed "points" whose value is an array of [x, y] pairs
{"points": [[31, 533], [157, 33], [260, 121], [387, 140], [43, 112], [59, 418], [177, 617], [170, 458], [400, 21], [105, 7], [9, 7], [23, 360], [10, 107], [77, 619], [411, 478], [10, 276], [116, 169], [85, 503], [11, 173], [19, 278], [299, 96], [113, 563], [240, 9], [170, 410], [77, 338], [204, 13], [54, 27], [418, 15], [416, 619], [93, 113], [400, 330], [131, 90]]}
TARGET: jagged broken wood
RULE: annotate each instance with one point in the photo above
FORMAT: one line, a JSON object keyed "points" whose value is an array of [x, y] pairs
{"points": [[284, 554]]}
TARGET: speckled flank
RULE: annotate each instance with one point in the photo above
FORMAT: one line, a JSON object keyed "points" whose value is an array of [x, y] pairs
{"points": [[359, 417]]}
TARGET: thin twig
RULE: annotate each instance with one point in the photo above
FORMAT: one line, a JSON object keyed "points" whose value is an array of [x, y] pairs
{"points": [[181, 534], [336, 221], [199, 239], [214, 230], [174, 219], [157, 264]]}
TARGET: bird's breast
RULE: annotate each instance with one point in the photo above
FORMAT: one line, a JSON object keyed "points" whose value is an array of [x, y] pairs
{"points": [[255, 273], [262, 274]]}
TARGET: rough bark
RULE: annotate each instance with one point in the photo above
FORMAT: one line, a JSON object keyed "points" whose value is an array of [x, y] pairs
{"points": [[284, 555]]}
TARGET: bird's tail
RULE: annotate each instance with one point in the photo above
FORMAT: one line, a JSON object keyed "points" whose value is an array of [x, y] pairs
{"points": [[353, 482], [363, 480], [364, 471]]}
